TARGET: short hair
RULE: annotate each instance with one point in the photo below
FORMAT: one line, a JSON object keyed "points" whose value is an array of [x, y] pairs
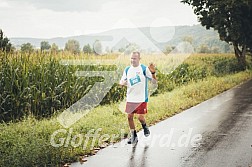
{"points": [[136, 52]]}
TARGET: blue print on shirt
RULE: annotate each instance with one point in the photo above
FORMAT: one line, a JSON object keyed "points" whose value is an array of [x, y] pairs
{"points": [[134, 80]]}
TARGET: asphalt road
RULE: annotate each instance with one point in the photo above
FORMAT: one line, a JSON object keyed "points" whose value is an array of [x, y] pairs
{"points": [[215, 133]]}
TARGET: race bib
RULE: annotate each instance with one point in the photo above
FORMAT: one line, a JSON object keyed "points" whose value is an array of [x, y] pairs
{"points": [[134, 80]]}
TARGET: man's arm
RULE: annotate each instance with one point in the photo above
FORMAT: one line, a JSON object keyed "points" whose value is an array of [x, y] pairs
{"points": [[153, 73], [123, 81]]}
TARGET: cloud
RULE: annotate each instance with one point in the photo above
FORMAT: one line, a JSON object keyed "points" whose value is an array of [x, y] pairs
{"points": [[63, 5], [61, 18]]}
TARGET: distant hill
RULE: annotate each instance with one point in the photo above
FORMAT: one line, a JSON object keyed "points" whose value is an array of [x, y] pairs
{"points": [[143, 37]]}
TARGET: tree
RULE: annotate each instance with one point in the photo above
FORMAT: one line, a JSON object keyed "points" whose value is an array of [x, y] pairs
{"points": [[4, 42], [54, 48], [203, 49], [232, 20], [130, 48], [215, 49], [121, 50], [27, 47], [44, 45], [186, 46], [188, 39], [87, 49], [167, 49], [73, 46]]}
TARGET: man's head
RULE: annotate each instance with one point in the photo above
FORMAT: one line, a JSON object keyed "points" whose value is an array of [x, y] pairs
{"points": [[135, 59]]}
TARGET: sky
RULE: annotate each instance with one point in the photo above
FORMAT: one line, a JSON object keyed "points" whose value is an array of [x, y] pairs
{"points": [[63, 18]]}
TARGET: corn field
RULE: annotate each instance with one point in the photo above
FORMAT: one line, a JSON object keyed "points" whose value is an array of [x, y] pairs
{"points": [[40, 85]]}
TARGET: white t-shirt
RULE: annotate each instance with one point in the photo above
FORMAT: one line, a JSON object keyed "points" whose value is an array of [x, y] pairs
{"points": [[137, 83]]}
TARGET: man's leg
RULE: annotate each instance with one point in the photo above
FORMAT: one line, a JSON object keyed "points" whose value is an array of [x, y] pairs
{"points": [[131, 121], [141, 118], [143, 122], [133, 138]]}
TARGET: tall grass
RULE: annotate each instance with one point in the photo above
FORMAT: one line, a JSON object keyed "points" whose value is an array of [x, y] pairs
{"points": [[39, 84]]}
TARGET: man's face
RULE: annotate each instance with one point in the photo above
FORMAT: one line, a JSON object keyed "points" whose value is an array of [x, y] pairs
{"points": [[135, 58]]}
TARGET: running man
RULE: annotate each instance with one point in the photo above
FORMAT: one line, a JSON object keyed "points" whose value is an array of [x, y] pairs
{"points": [[136, 77]]}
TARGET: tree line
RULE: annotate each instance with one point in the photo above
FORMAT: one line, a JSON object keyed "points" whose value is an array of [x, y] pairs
{"points": [[73, 46]]}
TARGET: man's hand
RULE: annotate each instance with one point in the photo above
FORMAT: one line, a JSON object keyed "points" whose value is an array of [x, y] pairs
{"points": [[123, 83], [153, 71], [152, 68]]}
